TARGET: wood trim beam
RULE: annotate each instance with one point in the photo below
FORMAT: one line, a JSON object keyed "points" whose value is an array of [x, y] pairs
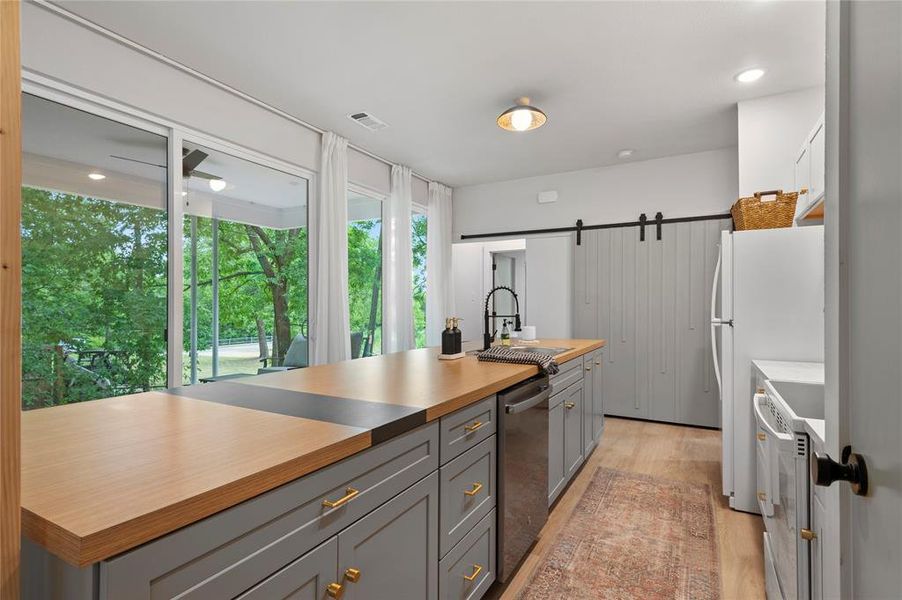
{"points": [[10, 297]]}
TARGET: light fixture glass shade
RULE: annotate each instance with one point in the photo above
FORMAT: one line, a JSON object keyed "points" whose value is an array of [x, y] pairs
{"points": [[522, 117], [217, 185]]}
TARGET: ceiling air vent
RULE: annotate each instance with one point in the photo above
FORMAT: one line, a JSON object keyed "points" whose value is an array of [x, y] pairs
{"points": [[369, 121]]}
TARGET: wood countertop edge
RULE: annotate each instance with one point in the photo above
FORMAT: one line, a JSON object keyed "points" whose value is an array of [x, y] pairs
{"points": [[450, 406], [84, 550]]}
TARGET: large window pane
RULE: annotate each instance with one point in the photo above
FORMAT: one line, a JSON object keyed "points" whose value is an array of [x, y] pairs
{"points": [[365, 274], [418, 242], [94, 252], [245, 249]]}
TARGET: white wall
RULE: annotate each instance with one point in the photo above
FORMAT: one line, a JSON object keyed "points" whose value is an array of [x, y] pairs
{"points": [[685, 185], [771, 132], [58, 48]]}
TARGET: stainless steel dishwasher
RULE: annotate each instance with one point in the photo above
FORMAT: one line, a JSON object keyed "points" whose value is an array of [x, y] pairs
{"points": [[522, 470]]}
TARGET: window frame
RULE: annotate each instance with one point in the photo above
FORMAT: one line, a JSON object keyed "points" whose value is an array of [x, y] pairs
{"points": [[74, 97]]}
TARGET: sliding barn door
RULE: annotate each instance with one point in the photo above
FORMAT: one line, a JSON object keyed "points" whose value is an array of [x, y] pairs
{"points": [[651, 301]]}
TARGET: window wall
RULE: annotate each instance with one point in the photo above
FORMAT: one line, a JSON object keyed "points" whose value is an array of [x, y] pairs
{"points": [[418, 230], [245, 266], [365, 274], [94, 253]]}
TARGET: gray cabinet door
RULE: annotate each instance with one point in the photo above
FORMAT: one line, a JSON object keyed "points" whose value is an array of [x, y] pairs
{"points": [[588, 401], [467, 487], [305, 579], [573, 430], [555, 449], [598, 396], [395, 547]]}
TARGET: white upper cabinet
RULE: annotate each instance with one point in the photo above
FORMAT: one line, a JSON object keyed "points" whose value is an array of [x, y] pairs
{"points": [[809, 174]]}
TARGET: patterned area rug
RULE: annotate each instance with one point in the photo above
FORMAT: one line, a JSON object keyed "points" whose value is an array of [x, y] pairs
{"points": [[634, 536]]}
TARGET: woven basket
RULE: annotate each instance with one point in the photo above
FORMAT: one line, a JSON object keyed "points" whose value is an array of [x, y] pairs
{"points": [[757, 213]]}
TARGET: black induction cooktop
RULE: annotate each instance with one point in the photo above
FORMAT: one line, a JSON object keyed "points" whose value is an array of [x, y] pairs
{"points": [[385, 420]]}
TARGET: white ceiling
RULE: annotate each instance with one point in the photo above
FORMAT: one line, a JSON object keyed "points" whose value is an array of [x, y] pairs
{"points": [[653, 76]]}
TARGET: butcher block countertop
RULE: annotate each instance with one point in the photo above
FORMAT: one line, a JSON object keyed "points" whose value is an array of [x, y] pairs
{"points": [[102, 477]]}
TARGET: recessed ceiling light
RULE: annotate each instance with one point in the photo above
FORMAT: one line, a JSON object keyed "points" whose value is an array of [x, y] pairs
{"points": [[521, 117], [624, 153], [217, 185], [96, 176], [750, 75]]}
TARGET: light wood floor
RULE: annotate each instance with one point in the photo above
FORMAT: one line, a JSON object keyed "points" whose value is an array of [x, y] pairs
{"points": [[672, 452]]}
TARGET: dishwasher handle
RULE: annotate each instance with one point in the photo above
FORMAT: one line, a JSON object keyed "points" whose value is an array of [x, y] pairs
{"points": [[542, 396]]}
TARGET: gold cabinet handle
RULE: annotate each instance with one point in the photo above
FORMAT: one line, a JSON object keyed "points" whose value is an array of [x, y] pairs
{"points": [[759, 390], [762, 496], [474, 490], [807, 534], [335, 590], [349, 493], [762, 436], [589, 368], [352, 574], [569, 405], [597, 363], [474, 426], [477, 569]]}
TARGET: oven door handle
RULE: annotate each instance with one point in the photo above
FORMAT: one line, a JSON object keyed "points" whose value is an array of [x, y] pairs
{"points": [[762, 422]]}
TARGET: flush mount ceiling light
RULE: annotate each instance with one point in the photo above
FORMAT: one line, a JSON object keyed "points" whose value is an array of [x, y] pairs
{"points": [[750, 75], [521, 117], [217, 185], [625, 153], [96, 176]]}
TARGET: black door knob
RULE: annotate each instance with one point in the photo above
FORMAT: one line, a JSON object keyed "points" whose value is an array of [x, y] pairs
{"points": [[825, 470]]}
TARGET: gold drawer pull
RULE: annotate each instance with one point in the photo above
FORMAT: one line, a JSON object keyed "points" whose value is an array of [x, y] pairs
{"points": [[474, 490], [474, 426], [349, 493], [807, 534], [352, 575], [335, 590], [761, 436], [597, 363], [569, 405], [589, 368], [477, 569], [762, 496]]}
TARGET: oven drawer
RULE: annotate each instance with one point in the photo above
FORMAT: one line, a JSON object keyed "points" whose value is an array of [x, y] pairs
{"points": [[467, 492]]}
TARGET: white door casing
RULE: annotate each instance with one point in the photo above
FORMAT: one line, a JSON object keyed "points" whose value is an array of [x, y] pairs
{"points": [[864, 292]]}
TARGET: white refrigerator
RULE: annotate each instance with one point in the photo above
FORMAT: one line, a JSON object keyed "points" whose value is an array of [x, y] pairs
{"points": [[769, 287]]}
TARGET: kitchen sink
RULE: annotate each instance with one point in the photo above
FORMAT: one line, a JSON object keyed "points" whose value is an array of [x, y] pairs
{"points": [[540, 350]]}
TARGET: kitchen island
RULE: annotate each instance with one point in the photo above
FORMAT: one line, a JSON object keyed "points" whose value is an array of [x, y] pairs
{"points": [[104, 477]]}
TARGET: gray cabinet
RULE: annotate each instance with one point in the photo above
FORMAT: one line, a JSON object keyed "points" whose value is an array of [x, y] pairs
{"points": [[394, 548], [597, 411], [588, 401], [556, 471], [468, 570], [467, 492], [651, 301], [305, 579], [573, 429], [463, 429]]}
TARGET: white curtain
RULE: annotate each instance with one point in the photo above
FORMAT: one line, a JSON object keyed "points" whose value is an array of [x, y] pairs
{"points": [[330, 329], [439, 277], [397, 266]]}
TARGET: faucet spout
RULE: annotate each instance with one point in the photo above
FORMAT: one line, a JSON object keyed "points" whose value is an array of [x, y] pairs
{"points": [[487, 338]]}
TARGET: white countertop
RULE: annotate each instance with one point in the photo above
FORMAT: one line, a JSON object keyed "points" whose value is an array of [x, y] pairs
{"points": [[800, 372]]}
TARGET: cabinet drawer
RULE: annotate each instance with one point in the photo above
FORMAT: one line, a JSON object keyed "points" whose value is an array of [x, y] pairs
{"points": [[239, 547], [463, 429], [307, 577], [474, 554], [467, 492], [562, 381]]}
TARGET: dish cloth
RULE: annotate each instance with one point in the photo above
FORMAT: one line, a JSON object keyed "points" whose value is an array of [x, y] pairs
{"points": [[546, 364]]}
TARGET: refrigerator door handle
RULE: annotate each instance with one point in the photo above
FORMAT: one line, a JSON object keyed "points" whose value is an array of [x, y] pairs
{"points": [[715, 321]]}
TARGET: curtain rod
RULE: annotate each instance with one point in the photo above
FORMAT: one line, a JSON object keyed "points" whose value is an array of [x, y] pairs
{"points": [[579, 227], [121, 39]]}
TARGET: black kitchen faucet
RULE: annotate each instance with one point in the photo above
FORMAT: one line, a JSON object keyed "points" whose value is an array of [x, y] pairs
{"points": [[487, 339]]}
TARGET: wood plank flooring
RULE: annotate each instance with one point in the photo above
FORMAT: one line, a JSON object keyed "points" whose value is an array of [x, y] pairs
{"points": [[672, 452]]}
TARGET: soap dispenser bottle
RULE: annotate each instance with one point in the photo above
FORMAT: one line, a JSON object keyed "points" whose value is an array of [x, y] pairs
{"points": [[505, 334], [455, 334], [448, 338]]}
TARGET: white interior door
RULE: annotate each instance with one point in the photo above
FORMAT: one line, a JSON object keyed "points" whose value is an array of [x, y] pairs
{"points": [[864, 289]]}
